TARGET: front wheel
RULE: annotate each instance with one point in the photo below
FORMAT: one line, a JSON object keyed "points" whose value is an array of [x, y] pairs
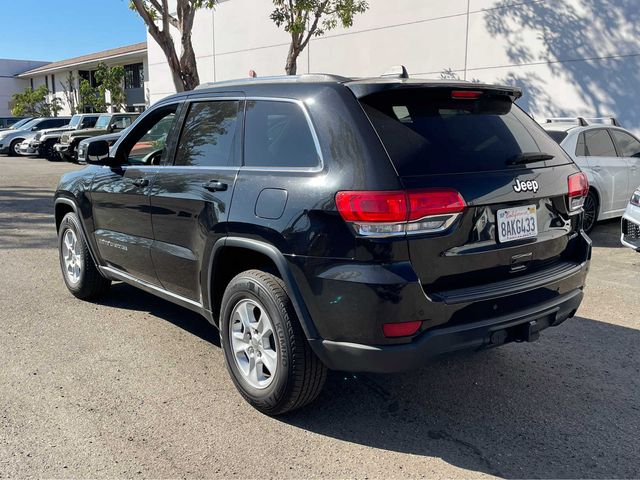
{"points": [[265, 350], [14, 148], [590, 208], [48, 151], [82, 277]]}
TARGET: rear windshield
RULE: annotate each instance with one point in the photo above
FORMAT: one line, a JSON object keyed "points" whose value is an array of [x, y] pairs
{"points": [[427, 132], [557, 135]]}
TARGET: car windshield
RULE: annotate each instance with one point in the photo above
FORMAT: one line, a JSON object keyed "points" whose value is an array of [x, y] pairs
{"points": [[103, 121], [75, 120], [428, 131], [29, 124], [20, 123]]}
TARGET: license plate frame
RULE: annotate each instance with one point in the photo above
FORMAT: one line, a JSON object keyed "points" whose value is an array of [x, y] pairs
{"points": [[517, 223]]}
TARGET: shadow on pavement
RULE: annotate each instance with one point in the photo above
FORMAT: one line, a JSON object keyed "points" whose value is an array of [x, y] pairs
{"points": [[565, 407], [24, 213], [606, 234]]}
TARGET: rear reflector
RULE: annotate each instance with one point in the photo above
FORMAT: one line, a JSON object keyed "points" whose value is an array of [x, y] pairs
{"points": [[465, 94], [402, 329], [578, 190]]}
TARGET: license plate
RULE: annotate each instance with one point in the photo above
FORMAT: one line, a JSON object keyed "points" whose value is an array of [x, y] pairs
{"points": [[517, 223]]}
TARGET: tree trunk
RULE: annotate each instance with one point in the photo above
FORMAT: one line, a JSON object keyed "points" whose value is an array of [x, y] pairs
{"points": [[291, 67]]}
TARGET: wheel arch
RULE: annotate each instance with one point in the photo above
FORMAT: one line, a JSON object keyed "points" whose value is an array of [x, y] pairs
{"points": [[254, 254], [63, 206]]}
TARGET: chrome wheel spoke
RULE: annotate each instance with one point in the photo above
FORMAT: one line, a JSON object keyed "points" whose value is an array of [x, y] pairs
{"points": [[71, 256]]}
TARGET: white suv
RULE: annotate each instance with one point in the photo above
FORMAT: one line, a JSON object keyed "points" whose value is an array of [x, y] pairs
{"points": [[608, 154]]}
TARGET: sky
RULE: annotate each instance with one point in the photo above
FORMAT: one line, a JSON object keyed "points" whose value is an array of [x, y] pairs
{"points": [[55, 30]]}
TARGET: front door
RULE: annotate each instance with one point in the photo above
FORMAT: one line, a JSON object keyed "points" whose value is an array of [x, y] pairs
{"points": [[629, 148], [190, 199], [120, 197]]}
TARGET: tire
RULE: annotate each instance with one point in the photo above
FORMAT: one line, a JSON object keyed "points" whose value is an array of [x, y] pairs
{"points": [[85, 282], [48, 152], [299, 375], [14, 147], [590, 216]]}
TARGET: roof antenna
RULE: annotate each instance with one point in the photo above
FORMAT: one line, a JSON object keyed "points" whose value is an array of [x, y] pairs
{"points": [[397, 71]]}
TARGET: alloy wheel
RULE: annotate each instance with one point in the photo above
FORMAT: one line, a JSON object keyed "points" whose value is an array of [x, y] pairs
{"points": [[253, 341], [590, 212], [71, 257]]}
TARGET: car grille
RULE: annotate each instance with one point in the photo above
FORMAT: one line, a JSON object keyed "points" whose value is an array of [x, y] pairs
{"points": [[630, 230]]}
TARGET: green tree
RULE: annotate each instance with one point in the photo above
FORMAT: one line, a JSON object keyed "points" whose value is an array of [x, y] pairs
{"points": [[90, 98], [69, 92], [110, 78], [159, 20], [304, 19], [35, 103]]}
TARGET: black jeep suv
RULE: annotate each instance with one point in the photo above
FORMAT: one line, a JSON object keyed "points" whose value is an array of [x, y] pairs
{"points": [[324, 222]]}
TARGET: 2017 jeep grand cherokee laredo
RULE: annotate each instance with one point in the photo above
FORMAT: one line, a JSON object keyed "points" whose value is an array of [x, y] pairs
{"points": [[323, 222]]}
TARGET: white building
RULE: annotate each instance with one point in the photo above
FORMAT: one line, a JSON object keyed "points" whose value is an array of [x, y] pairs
{"points": [[10, 83], [56, 75], [572, 57]]}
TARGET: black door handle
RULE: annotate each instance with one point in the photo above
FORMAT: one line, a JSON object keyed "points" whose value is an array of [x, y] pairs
{"points": [[141, 182], [215, 186]]}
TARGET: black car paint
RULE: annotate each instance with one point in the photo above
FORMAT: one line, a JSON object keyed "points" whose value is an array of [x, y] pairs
{"points": [[166, 236]]}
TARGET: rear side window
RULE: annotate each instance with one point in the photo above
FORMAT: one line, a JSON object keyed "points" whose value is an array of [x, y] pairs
{"points": [[208, 135], [628, 145], [277, 134], [599, 144], [557, 135], [88, 122], [427, 132], [581, 147], [120, 123]]}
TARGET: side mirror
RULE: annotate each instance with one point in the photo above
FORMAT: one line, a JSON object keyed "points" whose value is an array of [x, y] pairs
{"points": [[112, 128], [34, 129], [98, 152]]}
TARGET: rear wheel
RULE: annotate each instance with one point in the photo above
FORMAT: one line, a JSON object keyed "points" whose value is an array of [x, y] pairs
{"points": [[266, 352], [590, 208], [82, 277]]}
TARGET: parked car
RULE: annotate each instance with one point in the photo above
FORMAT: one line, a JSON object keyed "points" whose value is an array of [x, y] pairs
{"points": [[630, 236], [106, 123], [321, 222], [10, 140], [83, 146], [609, 155], [12, 122], [41, 143]]}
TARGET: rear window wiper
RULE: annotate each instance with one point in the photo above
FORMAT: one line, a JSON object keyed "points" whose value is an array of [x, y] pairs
{"points": [[529, 157]]}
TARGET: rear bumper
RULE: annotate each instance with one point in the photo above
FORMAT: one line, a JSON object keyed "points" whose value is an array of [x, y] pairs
{"points": [[524, 325]]}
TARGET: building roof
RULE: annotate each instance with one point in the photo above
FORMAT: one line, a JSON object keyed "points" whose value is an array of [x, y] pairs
{"points": [[85, 59]]}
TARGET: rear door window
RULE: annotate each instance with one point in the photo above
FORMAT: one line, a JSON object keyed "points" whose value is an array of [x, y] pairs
{"points": [[581, 147], [427, 132], [599, 144]]}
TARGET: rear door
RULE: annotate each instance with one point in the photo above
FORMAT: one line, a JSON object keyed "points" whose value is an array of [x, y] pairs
{"points": [[629, 148], [612, 171], [191, 198], [504, 166]]}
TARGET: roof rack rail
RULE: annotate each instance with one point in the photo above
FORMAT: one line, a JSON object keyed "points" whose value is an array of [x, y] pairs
{"points": [[583, 122], [579, 120], [305, 78], [611, 119]]}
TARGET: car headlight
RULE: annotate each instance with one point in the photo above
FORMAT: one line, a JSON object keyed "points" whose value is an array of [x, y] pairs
{"points": [[635, 198]]}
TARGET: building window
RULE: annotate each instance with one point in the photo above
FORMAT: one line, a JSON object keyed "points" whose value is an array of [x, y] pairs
{"points": [[46, 81], [31, 82], [133, 76], [89, 76], [53, 83]]}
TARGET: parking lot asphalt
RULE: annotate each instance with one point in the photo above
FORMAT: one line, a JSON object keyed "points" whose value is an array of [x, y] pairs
{"points": [[134, 386]]}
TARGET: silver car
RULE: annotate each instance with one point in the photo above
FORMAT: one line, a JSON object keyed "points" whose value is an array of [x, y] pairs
{"points": [[630, 236], [608, 154], [10, 140]]}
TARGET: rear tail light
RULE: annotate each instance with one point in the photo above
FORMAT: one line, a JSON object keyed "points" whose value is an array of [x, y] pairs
{"points": [[401, 329], [578, 190], [392, 213]]}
